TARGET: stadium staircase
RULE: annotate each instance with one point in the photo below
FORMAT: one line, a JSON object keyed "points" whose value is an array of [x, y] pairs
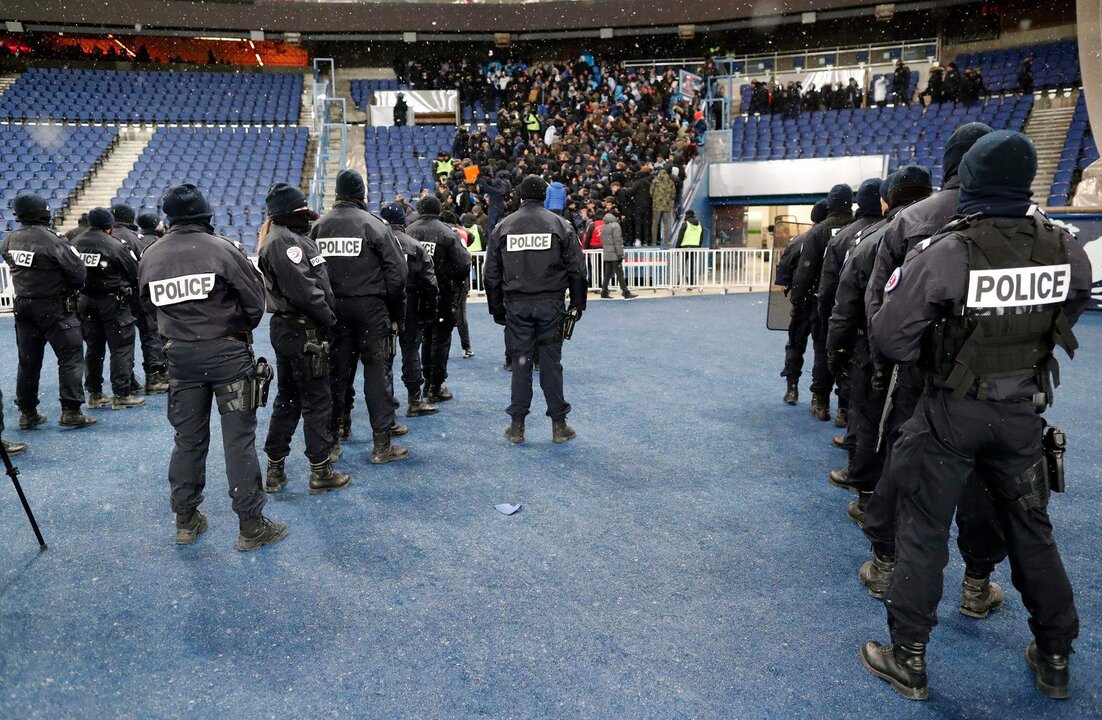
{"points": [[1048, 128], [6, 81], [101, 190]]}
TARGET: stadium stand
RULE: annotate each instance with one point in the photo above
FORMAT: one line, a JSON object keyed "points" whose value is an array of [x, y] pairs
{"points": [[233, 166], [1055, 65], [398, 160], [53, 160], [906, 134], [1079, 151], [362, 90], [149, 96]]}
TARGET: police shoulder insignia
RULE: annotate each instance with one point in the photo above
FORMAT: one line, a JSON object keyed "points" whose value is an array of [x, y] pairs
{"points": [[893, 281], [294, 254]]}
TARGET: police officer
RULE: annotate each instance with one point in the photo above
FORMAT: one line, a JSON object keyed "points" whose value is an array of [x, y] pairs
{"points": [[848, 349], [805, 288], [301, 302], [868, 213], [799, 327], [82, 225], [980, 538], [153, 345], [151, 228], [533, 258], [209, 298], [452, 264], [368, 280], [104, 310], [421, 298], [982, 305], [47, 275]]}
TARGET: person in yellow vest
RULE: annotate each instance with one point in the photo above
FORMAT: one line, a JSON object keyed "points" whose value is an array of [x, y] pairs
{"points": [[690, 237], [474, 234], [443, 165], [532, 122]]}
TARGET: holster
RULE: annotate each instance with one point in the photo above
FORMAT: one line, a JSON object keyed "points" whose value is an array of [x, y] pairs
{"points": [[568, 324], [393, 341], [316, 353], [69, 301], [247, 393], [1035, 480], [1053, 444]]}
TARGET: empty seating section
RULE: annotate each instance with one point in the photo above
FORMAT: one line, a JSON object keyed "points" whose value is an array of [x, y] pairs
{"points": [[233, 166], [362, 90], [481, 112], [399, 160], [52, 160], [155, 97], [905, 134], [1054, 65], [1080, 150]]}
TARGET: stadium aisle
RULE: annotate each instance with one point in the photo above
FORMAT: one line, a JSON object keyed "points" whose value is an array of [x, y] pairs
{"points": [[684, 557]]}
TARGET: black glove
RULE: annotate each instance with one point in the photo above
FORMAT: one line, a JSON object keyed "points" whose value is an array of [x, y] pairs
{"points": [[838, 362], [577, 313], [499, 317], [881, 377]]}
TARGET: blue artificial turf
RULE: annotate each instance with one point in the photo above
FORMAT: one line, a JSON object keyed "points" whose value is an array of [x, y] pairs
{"points": [[684, 557]]}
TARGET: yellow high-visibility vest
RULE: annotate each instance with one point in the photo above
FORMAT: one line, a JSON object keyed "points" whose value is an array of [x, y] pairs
{"points": [[444, 167], [533, 123], [475, 234], [693, 233]]}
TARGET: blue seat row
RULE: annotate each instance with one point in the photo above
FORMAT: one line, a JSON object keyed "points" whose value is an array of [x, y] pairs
{"points": [[392, 167], [362, 90]]}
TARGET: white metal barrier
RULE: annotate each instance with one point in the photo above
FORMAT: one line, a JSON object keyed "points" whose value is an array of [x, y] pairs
{"points": [[659, 269], [7, 292]]}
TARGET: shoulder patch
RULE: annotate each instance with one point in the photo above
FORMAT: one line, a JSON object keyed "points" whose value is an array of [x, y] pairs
{"points": [[923, 245], [318, 260], [294, 254], [893, 281]]}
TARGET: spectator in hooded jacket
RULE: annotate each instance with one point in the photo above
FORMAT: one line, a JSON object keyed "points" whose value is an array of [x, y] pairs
{"points": [[663, 191], [556, 197], [612, 253]]}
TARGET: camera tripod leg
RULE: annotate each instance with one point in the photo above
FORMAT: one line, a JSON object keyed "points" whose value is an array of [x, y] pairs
{"points": [[13, 473]]}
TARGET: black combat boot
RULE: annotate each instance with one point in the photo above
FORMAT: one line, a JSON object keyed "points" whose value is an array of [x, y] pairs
{"points": [[397, 430], [324, 478], [629, 295], [74, 418], [841, 418], [856, 508], [122, 402], [30, 419], [980, 596], [515, 432], [875, 574], [135, 386], [97, 400], [384, 452], [840, 479], [188, 526], [561, 432], [276, 476], [440, 393], [156, 381], [792, 395], [14, 448], [839, 441], [820, 407], [508, 363], [418, 407], [1050, 671], [259, 531], [605, 294], [342, 429], [904, 666]]}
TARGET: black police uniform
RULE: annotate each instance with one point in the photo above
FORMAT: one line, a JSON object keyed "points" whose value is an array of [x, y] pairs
{"points": [[452, 264], [105, 311], [804, 294], [209, 298], [421, 310], [532, 259], [301, 302], [981, 306], [47, 275], [799, 325], [368, 280], [145, 320]]}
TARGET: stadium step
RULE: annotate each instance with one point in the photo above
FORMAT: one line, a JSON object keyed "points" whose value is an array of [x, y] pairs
{"points": [[106, 182], [1048, 128], [6, 81]]}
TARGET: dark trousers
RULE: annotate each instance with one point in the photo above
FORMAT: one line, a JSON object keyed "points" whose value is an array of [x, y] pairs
{"points": [[362, 334], [195, 371], [107, 323], [297, 396], [945, 442], [461, 317], [410, 343], [866, 406], [799, 328], [533, 329], [39, 321], [614, 269], [435, 348], [822, 381], [153, 345], [979, 536], [641, 222]]}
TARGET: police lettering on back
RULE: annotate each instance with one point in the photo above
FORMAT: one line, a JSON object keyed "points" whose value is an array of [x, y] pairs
{"points": [[181, 289], [340, 246], [532, 241], [1018, 287], [23, 258]]}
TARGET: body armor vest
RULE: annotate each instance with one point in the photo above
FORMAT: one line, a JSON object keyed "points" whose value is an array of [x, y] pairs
{"points": [[1013, 315]]}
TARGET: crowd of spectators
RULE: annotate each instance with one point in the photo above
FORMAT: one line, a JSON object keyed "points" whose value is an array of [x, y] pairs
{"points": [[607, 138]]}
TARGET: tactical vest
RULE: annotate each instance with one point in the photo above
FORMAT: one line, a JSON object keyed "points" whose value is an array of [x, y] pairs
{"points": [[475, 235], [1013, 316], [693, 234]]}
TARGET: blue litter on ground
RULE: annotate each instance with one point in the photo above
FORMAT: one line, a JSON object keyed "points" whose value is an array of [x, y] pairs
{"points": [[507, 509]]}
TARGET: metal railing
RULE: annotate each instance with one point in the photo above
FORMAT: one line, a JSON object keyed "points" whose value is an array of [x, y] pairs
{"points": [[672, 270], [7, 292]]}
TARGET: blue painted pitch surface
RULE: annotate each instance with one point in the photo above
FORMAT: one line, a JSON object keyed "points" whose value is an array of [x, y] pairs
{"points": [[684, 557]]}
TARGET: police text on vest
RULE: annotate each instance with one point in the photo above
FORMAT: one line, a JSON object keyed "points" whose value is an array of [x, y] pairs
{"points": [[22, 258], [340, 246], [533, 241], [181, 289], [90, 259], [1018, 287]]}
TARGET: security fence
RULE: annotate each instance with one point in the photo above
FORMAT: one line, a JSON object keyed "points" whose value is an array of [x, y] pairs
{"points": [[7, 293]]}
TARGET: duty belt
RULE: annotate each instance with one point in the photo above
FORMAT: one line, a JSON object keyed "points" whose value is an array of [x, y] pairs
{"points": [[245, 337]]}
